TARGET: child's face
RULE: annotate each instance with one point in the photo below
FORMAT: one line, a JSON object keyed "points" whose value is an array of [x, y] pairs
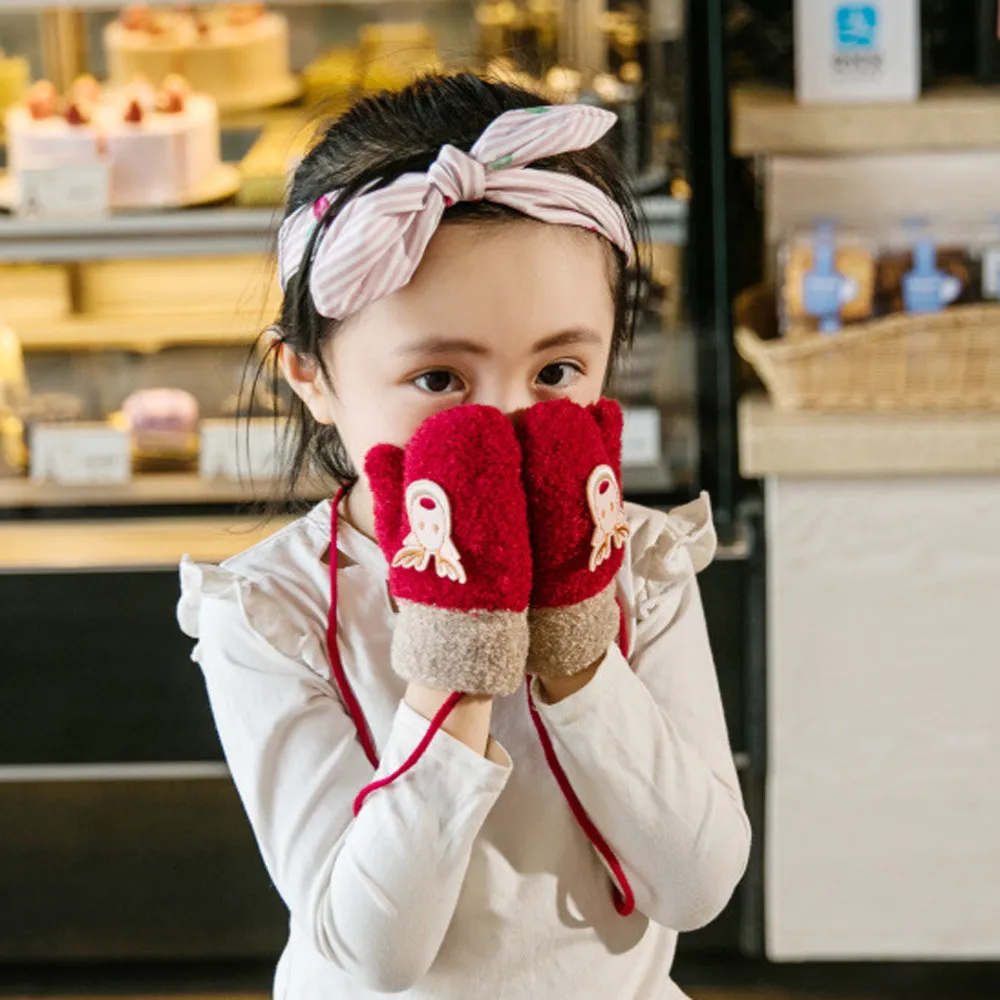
{"points": [[504, 315]]}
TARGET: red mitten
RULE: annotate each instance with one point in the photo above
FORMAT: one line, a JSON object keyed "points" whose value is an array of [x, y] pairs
{"points": [[572, 480], [451, 518]]}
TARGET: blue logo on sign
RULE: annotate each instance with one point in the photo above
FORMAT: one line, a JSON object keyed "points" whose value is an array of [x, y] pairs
{"points": [[856, 26]]}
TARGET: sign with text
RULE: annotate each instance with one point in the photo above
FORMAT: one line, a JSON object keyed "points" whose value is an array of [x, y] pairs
{"points": [[240, 450], [80, 454], [64, 191]]}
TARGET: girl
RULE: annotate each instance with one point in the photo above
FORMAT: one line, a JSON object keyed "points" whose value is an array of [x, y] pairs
{"points": [[470, 705]]}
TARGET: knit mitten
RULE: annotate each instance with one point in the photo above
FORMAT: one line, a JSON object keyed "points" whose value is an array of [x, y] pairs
{"points": [[450, 517], [572, 481]]}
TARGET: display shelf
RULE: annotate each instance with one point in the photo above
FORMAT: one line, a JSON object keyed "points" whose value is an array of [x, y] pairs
{"points": [[957, 117], [192, 232], [205, 232], [27, 6], [143, 334], [127, 545], [799, 443], [154, 488], [188, 488]]}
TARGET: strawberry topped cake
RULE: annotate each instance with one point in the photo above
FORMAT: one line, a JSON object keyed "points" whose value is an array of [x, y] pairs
{"points": [[161, 144], [237, 53]]}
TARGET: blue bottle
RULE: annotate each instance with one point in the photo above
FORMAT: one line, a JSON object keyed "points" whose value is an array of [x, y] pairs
{"points": [[825, 290], [927, 289]]}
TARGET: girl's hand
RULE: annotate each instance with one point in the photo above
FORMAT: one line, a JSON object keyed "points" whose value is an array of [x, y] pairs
{"points": [[451, 518], [572, 481]]}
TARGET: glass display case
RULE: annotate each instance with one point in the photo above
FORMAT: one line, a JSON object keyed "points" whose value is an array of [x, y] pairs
{"points": [[130, 302]]}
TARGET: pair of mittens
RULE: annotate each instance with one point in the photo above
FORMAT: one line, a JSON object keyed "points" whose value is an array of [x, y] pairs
{"points": [[504, 539]]}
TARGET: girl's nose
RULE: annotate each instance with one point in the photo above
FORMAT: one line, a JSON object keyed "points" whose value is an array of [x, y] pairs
{"points": [[509, 400]]}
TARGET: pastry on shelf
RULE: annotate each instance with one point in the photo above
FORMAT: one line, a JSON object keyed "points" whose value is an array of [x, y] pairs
{"points": [[13, 396], [953, 261], [267, 168], [161, 143], [395, 53], [15, 74], [389, 56], [334, 79], [851, 267], [13, 380], [237, 53], [163, 423]]}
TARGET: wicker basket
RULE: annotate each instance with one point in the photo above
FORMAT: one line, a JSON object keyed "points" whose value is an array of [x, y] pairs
{"points": [[947, 361]]}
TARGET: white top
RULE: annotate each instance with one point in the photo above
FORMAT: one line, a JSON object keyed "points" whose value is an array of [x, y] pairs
{"points": [[469, 877]]}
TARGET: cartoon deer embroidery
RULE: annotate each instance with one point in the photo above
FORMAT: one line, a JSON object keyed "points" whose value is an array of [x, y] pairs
{"points": [[429, 512], [605, 502]]}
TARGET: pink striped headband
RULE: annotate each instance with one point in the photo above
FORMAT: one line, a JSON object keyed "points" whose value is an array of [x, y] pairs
{"points": [[374, 245]]}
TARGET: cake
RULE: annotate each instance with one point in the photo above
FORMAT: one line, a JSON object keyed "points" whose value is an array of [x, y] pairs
{"points": [[161, 145], [236, 53], [14, 76], [163, 424]]}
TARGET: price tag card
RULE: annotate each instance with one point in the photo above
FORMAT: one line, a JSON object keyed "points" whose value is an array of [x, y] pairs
{"points": [[240, 450], [641, 440], [80, 454], [64, 190]]}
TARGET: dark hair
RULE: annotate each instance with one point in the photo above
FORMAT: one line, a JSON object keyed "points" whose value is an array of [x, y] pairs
{"points": [[368, 147]]}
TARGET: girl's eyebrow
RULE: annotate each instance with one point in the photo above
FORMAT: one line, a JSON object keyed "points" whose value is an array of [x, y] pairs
{"points": [[459, 345], [567, 338], [444, 345]]}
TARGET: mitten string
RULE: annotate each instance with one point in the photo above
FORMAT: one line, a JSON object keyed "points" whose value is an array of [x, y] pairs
{"points": [[624, 898], [347, 693]]}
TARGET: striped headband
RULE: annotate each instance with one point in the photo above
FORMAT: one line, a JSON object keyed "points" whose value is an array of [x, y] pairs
{"points": [[376, 242]]}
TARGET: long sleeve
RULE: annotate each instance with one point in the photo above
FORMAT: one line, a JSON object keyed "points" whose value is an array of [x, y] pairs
{"points": [[376, 893], [646, 750]]}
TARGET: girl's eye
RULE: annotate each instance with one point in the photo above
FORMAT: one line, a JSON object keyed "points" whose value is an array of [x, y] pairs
{"points": [[559, 375], [438, 382]]}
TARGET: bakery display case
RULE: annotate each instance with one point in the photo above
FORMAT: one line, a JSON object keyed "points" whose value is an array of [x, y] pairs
{"points": [[147, 150], [146, 153]]}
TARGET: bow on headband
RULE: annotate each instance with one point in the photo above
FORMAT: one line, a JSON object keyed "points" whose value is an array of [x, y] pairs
{"points": [[376, 242]]}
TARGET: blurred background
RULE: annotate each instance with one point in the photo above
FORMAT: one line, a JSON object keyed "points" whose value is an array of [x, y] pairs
{"points": [[818, 347]]}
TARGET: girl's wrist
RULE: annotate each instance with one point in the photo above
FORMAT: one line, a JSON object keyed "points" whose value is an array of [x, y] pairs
{"points": [[556, 689], [469, 722]]}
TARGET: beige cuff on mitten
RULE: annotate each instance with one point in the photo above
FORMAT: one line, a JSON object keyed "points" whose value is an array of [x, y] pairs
{"points": [[566, 640], [475, 652]]}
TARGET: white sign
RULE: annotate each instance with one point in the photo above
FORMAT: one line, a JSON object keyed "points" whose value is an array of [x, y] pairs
{"points": [[80, 454], [65, 190], [857, 50], [239, 450], [641, 440]]}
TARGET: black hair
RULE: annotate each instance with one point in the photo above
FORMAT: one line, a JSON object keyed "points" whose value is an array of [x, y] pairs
{"points": [[368, 147]]}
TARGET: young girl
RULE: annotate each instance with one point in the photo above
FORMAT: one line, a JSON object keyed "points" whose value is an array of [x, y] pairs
{"points": [[470, 705]]}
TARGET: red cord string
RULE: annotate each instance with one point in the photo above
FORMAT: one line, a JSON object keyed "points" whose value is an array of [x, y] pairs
{"points": [[624, 898], [333, 647], [436, 723]]}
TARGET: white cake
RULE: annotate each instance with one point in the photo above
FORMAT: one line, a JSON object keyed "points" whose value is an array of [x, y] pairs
{"points": [[160, 147], [237, 53]]}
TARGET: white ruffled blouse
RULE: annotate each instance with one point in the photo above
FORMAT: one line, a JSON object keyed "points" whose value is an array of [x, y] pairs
{"points": [[468, 877]]}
